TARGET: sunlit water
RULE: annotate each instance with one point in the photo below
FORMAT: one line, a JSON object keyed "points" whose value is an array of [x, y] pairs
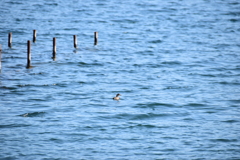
{"points": [[175, 63]]}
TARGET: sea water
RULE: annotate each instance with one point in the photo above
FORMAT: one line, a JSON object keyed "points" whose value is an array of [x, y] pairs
{"points": [[176, 64]]}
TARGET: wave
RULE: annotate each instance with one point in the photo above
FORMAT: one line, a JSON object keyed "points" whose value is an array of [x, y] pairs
{"points": [[13, 125], [143, 116], [153, 105], [33, 114]]}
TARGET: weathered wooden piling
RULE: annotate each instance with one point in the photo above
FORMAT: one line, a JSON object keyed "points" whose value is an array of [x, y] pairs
{"points": [[29, 54], [54, 48], [95, 38], [75, 41], [34, 36], [10, 40]]}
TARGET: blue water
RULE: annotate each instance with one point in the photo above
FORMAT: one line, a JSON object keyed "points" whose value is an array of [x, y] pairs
{"points": [[176, 64]]}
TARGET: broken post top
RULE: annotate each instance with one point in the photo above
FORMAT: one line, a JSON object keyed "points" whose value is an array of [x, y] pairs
{"points": [[34, 36]]}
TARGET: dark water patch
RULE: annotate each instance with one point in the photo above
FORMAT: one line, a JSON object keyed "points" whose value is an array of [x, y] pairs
{"points": [[142, 116], [102, 21], [82, 82], [14, 125], [208, 75], [146, 87], [36, 85], [234, 3], [82, 10], [33, 114], [231, 121], [195, 105], [235, 82], [95, 74], [39, 73], [235, 101], [234, 20], [154, 65], [13, 57], [206, 107], [37, 99], [146, 126], [224, 140], [129, 21], [170, 137], [171, 63], [148, 65], [155, 41], [232, 13], [14, 2], [146, 52], [235, 106], [87, 82], [178, 87], [134, 116], [17, 66], [168, 150], [69, 29], [8, 88], [101, 4], [84, 64], [8, 157], [189, 119], [56, 140], [51, 4], [153, 105], [211, 111]]}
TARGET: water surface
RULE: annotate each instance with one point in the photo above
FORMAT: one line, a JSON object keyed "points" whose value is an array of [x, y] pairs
{"points": [[175, 63]]}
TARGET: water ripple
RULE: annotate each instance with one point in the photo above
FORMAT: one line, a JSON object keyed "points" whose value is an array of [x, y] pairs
{"points": [[175, 63], [33, 114]]}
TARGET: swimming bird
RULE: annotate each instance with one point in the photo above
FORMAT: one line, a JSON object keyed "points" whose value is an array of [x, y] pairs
{"points": [[117, 97]]}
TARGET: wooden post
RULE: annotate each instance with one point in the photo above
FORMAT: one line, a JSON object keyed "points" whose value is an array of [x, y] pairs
{"points": [[29, 54], [10, 40], [54, 48], [95, 38], [75, 41], [34, 35]]}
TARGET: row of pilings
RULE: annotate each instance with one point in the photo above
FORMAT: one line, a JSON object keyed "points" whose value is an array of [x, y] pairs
{"points": [[54, 53]]}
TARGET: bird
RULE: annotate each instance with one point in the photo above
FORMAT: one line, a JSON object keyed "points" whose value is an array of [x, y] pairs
{"points": [[117, 97]]}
